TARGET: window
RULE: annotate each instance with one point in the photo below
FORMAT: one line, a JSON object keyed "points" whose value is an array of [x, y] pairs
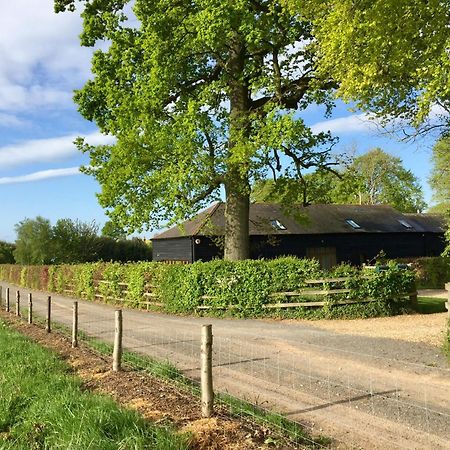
{"points": [[353, 224], [406, 224], [277, 225]]}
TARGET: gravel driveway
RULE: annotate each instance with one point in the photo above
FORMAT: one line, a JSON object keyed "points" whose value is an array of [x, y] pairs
{"points": [[377, 383]]}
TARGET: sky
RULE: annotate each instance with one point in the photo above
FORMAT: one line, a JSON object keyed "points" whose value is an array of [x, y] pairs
{"points": [[41, 64]]}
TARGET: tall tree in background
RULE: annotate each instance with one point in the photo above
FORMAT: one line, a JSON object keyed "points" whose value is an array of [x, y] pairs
{"points": [[440, 174], [390, 57], [7, 253], [371, 179], [34, 241], [74, 241], [201, 95], [380, 178]]}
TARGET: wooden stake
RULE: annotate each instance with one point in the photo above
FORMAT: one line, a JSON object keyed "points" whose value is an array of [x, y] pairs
{"points": [[30, 308], [7, 299], [75, 325], [117, 353], [206, 371], [49, 314], [18, 303]]}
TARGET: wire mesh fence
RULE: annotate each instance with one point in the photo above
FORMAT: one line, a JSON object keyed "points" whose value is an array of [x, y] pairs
{"points": [[352, 395]]}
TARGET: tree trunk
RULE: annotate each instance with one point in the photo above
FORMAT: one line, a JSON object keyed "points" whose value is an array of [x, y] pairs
{"points": [[236, 180], [236, 224]]}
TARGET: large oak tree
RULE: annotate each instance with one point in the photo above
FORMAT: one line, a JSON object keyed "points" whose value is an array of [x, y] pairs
{"points": [[203, 96]]}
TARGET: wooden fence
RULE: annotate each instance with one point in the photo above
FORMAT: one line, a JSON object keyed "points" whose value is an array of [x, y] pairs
{"points": [[319, 293]]}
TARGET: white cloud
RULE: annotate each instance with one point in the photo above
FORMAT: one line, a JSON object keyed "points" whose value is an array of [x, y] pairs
{"points": [[41, 175], [46, 150], [356, 123], [41, 60], [10, 120]]}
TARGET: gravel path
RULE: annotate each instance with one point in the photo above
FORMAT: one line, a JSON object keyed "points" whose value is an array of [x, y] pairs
{"points": [[378, 383]]}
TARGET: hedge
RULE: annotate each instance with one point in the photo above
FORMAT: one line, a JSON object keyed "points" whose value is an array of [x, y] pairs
{"points": [[431, 272], [235, 288]]}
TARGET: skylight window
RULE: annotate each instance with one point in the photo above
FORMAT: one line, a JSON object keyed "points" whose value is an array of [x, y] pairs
{"points": [[277, 225], [353, 224], [406, 224]]}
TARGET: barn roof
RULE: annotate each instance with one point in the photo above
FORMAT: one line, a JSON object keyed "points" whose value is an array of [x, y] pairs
{"points": [[272, 218]]}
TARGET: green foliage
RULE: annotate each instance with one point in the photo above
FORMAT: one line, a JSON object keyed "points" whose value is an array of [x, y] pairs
{"points": [[42, 406], [234, 288], [431, 272], [440, 174], [33, 244], [371, 179], [7, 253], [71, 242], [390, 70], [200, 96], [430, 305]]}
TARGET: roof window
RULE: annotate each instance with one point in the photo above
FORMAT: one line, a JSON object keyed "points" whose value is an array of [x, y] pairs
{"points": [[353, 224], [277, 225], [406, 224]]}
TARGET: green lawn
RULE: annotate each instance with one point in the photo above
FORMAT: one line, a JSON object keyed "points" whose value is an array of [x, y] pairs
{"points": [[42, 406], [430, 305]]}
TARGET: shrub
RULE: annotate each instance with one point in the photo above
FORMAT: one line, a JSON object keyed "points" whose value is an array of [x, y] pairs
{"points": [[239, 288], [431, 272]]}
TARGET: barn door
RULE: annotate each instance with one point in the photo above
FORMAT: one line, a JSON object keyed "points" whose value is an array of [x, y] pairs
{"points": [[325, 255]]}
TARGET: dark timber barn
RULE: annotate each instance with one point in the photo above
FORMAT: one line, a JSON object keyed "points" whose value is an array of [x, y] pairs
{"points": [[330, 233]]}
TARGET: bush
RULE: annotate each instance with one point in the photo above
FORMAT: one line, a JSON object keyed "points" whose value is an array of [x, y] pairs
{"points": [[238, 288], [431, 272]]}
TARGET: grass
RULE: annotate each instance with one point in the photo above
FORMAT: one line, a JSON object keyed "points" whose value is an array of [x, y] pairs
{"points": [[42, 406], [283, 427], [430, 305]]}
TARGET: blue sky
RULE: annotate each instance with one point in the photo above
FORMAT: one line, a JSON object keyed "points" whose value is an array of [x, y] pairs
{"points": [[41, 63]]}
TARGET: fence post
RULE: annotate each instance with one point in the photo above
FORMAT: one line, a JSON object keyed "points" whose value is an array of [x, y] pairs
{"points": [[18, 303], [206, 371], [1, 296], [75, 325], [30, 308], [49, 314], [117, 353], [7, 299]]}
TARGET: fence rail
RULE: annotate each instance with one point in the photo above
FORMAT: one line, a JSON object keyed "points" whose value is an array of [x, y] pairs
{"points": [[150, 297]]}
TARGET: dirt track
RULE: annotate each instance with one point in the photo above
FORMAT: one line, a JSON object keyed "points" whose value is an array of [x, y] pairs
{"points": [[379, 383]]}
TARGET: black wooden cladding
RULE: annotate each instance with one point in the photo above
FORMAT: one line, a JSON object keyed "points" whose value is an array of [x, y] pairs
{"points": [[179, 249], [352, 248]]}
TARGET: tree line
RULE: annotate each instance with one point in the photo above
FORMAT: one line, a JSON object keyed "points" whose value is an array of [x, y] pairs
{"points": [[71, 241]]}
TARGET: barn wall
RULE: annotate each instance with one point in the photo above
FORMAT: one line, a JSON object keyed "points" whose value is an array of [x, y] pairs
{"points": [[354, 248], [178, 249]]}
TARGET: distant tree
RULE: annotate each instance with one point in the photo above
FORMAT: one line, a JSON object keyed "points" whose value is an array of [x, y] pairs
{"points": [[7, 253], [112, 230], [123, 250], [317, 187], [440, 172], [34, 241], [373, 178], [74, 241]]}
